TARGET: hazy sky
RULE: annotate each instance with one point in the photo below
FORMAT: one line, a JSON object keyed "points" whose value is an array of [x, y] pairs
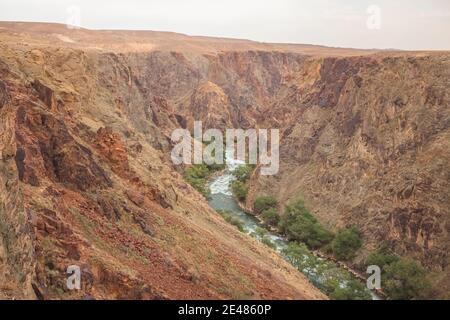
{"points": [[403, 24]]}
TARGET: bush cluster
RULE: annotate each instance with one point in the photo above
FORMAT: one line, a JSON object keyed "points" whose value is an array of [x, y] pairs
{"points": [[402, 278], [197, 175], [299, 225]]}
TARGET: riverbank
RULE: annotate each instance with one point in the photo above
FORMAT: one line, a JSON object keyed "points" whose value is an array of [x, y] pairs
{"points": [[333, 279], [316, 253]]}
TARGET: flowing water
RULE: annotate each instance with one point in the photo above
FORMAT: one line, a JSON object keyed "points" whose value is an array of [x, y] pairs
{"points": [[320, 272]]}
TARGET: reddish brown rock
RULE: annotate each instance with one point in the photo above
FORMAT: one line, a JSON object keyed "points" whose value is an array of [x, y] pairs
{"points": [[86, 179], [365, 139]]}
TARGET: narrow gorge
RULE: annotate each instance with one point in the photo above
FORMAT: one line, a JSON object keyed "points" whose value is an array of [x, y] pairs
{"points": [[86, 175]]}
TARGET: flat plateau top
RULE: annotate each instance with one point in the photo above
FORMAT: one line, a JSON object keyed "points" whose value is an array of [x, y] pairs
{"points": [[59, 35]]}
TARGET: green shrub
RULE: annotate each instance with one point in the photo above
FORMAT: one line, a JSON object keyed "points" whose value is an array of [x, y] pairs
{"points": [[215, 167], [262, 235], [199, 185], [331, 277], [291, 214], [346, 243], [270, 216], [405, 279], [296, 252], [223, 212], [381, 258], [354, 290], [239, 189], [299, 225], [197, 174], [264, 203], [401, 279], [197, 171], [243, 173], [236, 222], [319, 271]]}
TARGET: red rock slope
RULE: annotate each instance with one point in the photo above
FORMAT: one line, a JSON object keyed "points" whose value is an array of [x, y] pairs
{"points": [[86, 179]]}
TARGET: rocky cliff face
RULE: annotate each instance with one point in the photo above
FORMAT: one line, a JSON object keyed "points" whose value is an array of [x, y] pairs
{"points": [[365, 140], [17, 261], [86, 180], [368, 147]]}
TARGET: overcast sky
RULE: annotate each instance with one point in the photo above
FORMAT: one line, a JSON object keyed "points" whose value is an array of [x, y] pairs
{"points": [[402, 24]]}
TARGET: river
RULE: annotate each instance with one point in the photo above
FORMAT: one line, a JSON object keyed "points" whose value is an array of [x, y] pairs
{"points": [[320, 272]]}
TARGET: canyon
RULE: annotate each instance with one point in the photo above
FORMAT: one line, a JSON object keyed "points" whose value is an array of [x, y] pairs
{"points": [[86, 177]]}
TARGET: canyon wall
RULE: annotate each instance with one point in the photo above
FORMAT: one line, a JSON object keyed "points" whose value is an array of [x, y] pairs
{"points": [[86, 180], [365, 140], [367, 146]]}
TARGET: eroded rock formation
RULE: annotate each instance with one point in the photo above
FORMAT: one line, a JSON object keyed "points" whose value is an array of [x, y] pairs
{"points": [[86, 180], [365, 140]]}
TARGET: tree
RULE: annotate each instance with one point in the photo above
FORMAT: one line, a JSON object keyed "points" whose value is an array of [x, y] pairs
{"points": [[291, 213], [242, 173], [381, 258], [299, 225], [264, 203], [406, 279], [401, 278], [270, 216], [239, 189], [196, 176], [353, 290], [346, 243]]}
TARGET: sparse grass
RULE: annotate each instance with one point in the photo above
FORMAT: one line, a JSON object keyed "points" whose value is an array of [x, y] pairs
{"points": [[234, 284], [127, 223], [90, 229], [49, 244]]}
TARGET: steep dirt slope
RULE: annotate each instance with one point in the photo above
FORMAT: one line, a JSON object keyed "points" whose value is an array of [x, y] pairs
{"points": [[86, 180]]}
